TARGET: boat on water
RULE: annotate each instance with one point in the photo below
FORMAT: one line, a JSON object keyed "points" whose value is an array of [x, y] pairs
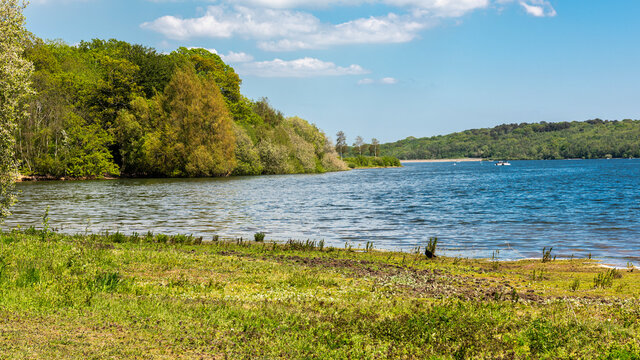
{"points": [[502, 163]]}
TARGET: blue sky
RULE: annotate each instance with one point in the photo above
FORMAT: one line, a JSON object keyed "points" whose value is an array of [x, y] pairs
{"points": [[393, 68]]}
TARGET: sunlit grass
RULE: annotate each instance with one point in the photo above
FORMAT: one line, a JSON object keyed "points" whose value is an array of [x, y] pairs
{"points": [[119, 296]]}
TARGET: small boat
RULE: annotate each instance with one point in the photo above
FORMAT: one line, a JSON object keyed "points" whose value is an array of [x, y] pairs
{"points": [[502, 163]]}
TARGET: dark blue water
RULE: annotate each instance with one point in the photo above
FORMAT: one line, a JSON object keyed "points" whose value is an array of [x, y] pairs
{"points": [[578, 207]]}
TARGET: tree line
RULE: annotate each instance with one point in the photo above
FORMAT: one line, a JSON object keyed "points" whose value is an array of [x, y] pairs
{"points": [[590, 139], [114, 108], [359, 148]]}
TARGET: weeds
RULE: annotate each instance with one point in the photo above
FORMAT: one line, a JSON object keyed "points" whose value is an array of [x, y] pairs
{"points": [[575, 285], [368, 247], [537, 275], [45, 224], [107, 282], [546, 254], [308, 245], [259, 237], [494, 260], [605, 279], [430, 250]]}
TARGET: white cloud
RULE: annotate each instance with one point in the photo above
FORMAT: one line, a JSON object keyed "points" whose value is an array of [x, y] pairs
{"points": [[219, 22], [276, 27], [373, 30], [231, 57], [539, 8], [299, 68], [383, 81], [236, 57], [438, 7], [285, 30]]}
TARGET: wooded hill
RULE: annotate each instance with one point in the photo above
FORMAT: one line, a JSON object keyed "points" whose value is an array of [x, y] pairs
{"points": [[590, 139], [110, 107]]}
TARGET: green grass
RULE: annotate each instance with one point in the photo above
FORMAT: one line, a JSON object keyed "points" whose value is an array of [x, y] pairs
{"points": [[157, 296]]}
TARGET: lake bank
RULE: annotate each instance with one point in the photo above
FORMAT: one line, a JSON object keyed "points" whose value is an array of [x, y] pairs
{"points": [[443, 160], [173, 296], [475, 208]]}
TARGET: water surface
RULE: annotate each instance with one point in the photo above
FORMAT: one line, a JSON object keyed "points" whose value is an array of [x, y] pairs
{"points": [[475, 208]]}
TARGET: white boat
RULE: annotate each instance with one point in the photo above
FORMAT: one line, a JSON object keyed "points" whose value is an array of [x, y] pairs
{"points": [[502, 163]]}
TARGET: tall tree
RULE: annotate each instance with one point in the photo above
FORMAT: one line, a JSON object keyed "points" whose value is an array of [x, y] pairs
{"points": [[358, 144], [341, 142], [375, 144], [15, 72]]}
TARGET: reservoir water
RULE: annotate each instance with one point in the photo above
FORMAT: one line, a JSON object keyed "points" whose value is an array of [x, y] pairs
{"points": [[577, 207]]}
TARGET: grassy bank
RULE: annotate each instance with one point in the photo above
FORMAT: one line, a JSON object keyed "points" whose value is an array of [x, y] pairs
{"points": [[176, 297]]}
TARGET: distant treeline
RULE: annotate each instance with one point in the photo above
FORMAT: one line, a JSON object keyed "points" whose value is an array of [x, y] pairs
{"points": [[590, 139], [110, 107]]}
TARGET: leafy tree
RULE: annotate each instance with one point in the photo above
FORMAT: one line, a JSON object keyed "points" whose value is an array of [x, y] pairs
{"points": [[197, 128], [109, 106], [15, 73], [341, 142]]}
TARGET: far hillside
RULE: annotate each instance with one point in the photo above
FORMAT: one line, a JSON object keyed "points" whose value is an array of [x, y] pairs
{"points": [[592, 139]]}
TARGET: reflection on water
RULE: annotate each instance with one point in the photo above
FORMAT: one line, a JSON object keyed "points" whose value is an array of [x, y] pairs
{"points": [[578, 207]]}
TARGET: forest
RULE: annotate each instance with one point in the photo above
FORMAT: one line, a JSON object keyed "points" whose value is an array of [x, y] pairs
{"points": [[110, 108], [592, 139]]}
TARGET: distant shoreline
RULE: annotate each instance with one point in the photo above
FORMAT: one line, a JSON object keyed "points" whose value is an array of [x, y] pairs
{"points": [[441, 160]]}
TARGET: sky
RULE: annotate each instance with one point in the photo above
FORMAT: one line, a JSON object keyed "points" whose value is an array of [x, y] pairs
{"points": [[389, 69]]}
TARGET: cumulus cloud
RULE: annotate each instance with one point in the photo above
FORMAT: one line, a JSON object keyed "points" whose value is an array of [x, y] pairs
{"points": [[299, 68], [366, 81], [276, 25], [285, 30], [383, 81], [387, 29], [538, 8], [438, 7], [231, 57], [220, 22]]}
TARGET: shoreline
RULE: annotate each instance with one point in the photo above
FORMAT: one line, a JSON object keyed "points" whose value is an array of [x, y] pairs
{"points": [[443, 160]]}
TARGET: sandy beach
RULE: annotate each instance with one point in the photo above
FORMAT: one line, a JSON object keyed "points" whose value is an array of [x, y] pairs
{"points": [[441, 160]]}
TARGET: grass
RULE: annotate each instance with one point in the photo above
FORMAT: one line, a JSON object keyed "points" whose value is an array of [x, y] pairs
{"points": [[157, 296]]}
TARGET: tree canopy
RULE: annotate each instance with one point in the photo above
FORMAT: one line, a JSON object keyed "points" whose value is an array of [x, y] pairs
{"points": [[15, 74], [107, 107]]}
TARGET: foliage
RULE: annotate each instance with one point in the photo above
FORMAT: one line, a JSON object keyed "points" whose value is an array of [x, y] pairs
{"points": [[565, 140], [110, 107], [15, 74], [370, 161], [430, 249], [259, 236]]}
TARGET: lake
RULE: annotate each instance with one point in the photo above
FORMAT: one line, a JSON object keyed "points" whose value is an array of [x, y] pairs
{"points": [[578, 207]]}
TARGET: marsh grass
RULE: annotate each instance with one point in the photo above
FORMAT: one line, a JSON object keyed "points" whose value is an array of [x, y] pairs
{"points": [[430, 249], [546, 255], [605, 279], [160, 296]]}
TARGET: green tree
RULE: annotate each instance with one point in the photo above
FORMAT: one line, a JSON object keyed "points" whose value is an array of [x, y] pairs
{"points": [[15, 73]]}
